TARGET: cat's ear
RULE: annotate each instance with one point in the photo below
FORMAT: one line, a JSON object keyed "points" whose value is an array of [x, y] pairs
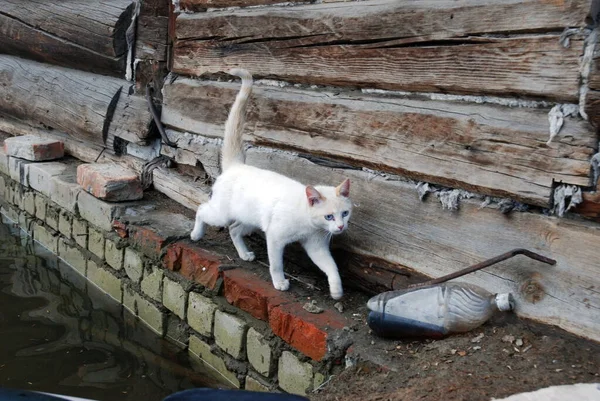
{"points": [[313, 196], [343, 189]]}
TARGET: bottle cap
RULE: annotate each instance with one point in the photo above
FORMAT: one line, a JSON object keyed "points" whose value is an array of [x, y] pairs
{"points": [[505, 302]]}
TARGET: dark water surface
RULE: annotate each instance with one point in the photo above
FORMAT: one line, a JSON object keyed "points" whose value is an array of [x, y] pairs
{"points": [[60, 334]]}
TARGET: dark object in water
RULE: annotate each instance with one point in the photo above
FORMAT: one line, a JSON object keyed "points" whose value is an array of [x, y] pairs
{"points": [[434, 311], [210, 394], [196, 394]]}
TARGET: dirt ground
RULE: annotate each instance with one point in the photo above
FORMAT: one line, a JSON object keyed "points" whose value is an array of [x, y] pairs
{"points": [[504, 357]]}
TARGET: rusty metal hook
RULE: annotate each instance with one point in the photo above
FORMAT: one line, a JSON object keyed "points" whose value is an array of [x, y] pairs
{"points": [[484, 264]]}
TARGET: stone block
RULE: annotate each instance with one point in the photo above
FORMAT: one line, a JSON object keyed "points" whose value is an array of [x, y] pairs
{"points": [[152, 283], [104, 280], [295, 377], [96, 242], [28, 202], [40, 207], [4, 162], [151, 314], [2, 186], [9, 191], [65, 223], [40, 175], [18, 170], [52, 217], [201, 314], [134, 266], [202, 350], [259, 353], [25, 222], [72, 255], [230, 332], [102, 214], [113, 254], [109, 182], [64, 191], [80, 232], [34, 148], [253, 384], [177, 331], [11, 213], [145, 310], [45, 237], [129, 299], [174, 297]]}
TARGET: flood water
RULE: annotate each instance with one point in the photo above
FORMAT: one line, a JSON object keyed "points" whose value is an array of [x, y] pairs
{"points": [[60, 334]]}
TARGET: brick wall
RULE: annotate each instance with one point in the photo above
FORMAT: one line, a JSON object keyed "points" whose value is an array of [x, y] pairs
{"points": [[229, 319]]}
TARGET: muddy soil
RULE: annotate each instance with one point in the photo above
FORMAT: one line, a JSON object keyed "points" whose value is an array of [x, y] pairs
{"points": [[505, 356]]}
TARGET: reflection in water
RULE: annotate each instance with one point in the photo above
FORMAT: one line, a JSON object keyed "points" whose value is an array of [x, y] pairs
{"points": [[60, 334]]}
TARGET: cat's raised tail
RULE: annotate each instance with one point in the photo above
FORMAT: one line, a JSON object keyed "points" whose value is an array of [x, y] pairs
{"points": [[232, 152]]}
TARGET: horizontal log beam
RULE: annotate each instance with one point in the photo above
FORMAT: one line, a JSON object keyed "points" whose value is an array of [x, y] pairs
{"points": [[80, 35], [82, 104], [453, 48], [201, 5], [489, 149]]}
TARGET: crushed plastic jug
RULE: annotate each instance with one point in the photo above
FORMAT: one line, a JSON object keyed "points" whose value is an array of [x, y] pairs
{"points": [[434, 311]]}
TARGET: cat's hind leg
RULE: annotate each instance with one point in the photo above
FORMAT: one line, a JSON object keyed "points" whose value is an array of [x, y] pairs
{"points": [[237, 231], [208, 213]]}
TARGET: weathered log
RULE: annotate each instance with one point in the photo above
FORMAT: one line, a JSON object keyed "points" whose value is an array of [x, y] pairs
{"points": [[378, 44], [152, 31], [201, 5], [82, 104], [592, 107], [489, 149], [80, 35]]}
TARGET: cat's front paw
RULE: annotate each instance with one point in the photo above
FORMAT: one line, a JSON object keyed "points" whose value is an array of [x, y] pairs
{"points": [[336, 293], [196, 235], [282, 285], [248, 256]]}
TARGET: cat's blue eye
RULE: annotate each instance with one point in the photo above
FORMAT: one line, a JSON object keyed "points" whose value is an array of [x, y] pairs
{"points": [[345, 213], [329, 217]]}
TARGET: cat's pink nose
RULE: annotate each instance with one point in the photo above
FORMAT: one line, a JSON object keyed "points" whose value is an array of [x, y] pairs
{"points": [[340, 228]]}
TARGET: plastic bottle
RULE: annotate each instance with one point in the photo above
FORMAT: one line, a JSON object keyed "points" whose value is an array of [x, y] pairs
{"points": [[434, 311]]}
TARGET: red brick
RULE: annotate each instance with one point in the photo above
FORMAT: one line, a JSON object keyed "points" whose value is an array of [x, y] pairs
{"points": [[194, 263], [172, 257], [120, 228], [306, 332], [252, 294], [109, 182], [147, 240], [34, 148]]}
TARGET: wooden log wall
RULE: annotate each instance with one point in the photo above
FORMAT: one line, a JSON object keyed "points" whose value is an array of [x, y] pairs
{"points": [[425, 46], [85, 35], [79, 103]]}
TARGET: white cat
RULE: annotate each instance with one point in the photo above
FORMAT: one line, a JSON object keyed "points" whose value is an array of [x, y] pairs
{"points": [[247, 198]]}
